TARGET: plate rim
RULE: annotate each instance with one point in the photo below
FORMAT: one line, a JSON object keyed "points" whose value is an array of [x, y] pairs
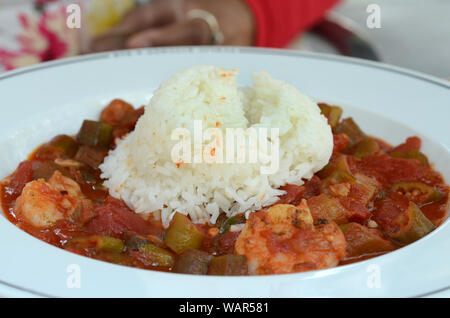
{"points": [[231, 49]]}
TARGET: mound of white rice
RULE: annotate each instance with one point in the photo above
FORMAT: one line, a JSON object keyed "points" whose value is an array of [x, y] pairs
{"points": [[141, 170]]}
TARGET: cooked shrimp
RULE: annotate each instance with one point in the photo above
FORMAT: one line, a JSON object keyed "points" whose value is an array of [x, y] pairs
{"points": [[43, 203], [283, 239]]}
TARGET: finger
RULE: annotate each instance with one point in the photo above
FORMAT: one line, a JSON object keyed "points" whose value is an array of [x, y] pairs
{"points": [[141, 18], [151, 15], [190, 32]]}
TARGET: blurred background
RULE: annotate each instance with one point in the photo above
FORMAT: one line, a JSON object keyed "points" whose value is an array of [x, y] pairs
{"points": [[413, 33]]}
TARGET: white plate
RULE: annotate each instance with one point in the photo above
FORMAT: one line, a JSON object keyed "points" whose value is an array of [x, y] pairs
{"points": [[39, 102]]}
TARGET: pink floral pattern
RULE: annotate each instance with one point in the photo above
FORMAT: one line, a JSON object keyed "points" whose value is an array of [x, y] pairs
{"points": [[43, 38]]}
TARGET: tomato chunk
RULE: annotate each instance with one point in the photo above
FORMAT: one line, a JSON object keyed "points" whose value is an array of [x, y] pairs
{"points": [[114, 113], [411, 143], [23, 175], [114, 217]]}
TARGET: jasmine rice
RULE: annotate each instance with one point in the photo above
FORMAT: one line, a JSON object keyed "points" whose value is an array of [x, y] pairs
{"points": [[142, 172]]}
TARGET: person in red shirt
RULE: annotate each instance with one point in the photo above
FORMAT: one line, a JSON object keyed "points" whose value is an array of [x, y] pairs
{"points": [[264, 23]]}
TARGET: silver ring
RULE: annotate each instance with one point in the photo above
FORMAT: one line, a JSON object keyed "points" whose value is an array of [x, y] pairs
{"points": [[217, 36]]}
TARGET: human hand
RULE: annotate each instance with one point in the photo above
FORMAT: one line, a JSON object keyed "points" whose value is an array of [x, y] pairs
{"points": [[165, 23]]}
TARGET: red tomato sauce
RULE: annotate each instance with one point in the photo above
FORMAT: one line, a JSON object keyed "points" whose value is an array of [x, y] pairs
{"points": [[355, 191]]}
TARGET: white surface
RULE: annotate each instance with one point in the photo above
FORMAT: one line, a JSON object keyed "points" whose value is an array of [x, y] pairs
{"points": [[53, 98], [413, 34]]}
